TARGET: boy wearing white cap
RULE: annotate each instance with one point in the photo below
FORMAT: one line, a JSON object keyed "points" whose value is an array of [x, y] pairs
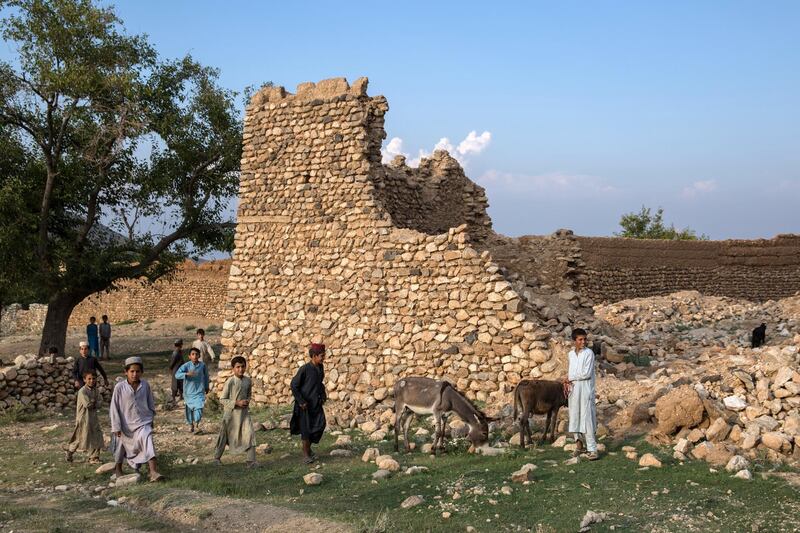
{"points": [[132, 412], [84, 364]]}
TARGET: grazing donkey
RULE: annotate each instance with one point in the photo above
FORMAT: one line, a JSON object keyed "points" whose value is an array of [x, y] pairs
{"points": [[425, 396], [538, 397]]}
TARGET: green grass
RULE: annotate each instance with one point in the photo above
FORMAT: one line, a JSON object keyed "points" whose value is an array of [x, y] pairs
{"points": [[558, 498], [125, 322]]}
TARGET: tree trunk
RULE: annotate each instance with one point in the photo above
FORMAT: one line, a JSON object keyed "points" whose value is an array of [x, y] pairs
{"points": [[59, 308]]}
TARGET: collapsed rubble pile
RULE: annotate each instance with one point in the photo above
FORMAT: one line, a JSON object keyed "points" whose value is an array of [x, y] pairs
{"points": [[705, 389]]}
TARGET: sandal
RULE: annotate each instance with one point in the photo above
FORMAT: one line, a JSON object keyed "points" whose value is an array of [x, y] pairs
{"points": [[309, 460], [155, 478]]}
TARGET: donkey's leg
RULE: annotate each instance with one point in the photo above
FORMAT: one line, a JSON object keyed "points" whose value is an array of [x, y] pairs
{"points": [[438, 438], [399, 408], [554, 424], [546, 427], [523, 424], [406, 425]]}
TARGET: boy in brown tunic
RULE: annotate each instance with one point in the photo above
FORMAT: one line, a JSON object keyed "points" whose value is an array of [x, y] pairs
{"points": [[87, 435]]}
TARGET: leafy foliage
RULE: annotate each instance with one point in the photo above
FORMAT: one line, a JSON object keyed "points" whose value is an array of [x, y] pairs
{"points": [[122, 163], [645, 225]]}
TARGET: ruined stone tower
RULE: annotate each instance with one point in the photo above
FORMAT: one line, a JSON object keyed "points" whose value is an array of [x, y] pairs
{"points": [[378, 262]]}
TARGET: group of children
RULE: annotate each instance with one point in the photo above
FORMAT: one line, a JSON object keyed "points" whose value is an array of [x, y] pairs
{"points": [[132, 410], [98, 337]]}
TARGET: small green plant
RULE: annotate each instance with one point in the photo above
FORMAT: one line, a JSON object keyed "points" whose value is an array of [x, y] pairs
{"points": [[638, 359], [19, 413], [190, 328], [125, 322], [381, 523], [149, 321], [212, 329]]}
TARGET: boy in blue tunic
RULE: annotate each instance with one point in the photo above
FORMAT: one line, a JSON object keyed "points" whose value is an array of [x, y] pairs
{"points": [[92, 335], [195, 387]]}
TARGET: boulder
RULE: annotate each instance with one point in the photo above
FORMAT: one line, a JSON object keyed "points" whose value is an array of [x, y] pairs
{"points": [[775, 440], [105, 468], [412, 470], [737, 463], [343, 441], [313, 478], [649, 459], [381, 475], [130, 479], [412, 501], [387, 462], [341, 452], [524, 474], [734, 403], [370, 454], [744, 474], [718, 430], [681, 407], [683, 446]]}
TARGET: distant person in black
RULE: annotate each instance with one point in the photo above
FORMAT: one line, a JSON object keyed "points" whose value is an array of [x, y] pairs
{"points": [[308, 417], [174, 364], [84, 364], [759, 336]]}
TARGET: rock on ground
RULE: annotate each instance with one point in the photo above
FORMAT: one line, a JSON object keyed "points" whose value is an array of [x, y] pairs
{"points": [[370, 454], [649, 459], [681, 407], [312, 479], [524, 474], [412, 501], [737, 464]]}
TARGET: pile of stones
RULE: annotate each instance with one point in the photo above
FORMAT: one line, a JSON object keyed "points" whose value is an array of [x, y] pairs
{"points": [[35, 383]]}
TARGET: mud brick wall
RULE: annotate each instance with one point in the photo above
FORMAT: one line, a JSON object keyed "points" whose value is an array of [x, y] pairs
{"points": [[328, 249], [757, 270], [193, 291]]}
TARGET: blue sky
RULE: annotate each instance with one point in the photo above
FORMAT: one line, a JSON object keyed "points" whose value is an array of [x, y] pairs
{"points": [[593, 108]]}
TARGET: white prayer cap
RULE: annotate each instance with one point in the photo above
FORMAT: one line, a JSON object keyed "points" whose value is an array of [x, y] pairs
{"points": [[83, 344], [133, 361]]}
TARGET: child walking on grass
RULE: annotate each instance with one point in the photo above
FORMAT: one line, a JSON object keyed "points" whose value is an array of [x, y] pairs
{"points": [[195, 387], [237, 428], [87, 436]]}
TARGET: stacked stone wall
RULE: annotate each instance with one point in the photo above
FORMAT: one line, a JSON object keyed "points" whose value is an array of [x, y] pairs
{"points": [[757, 270], [16, 319], [35, 383], [193, 291], [320, 256]]}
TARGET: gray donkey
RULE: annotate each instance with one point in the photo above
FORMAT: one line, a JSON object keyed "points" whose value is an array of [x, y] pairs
{"points": [[425, 396]]}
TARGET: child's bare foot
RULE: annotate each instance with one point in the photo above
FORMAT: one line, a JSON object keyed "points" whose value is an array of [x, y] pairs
{"points": [[68, 456], [191, 428], [94, 461]]}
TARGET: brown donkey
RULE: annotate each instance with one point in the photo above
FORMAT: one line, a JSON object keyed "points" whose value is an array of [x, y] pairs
{"points": [[425, 396], [538, 397]]}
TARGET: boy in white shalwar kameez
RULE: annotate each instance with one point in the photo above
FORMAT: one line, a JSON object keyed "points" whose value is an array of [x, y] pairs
{"points": [[580, 379], [132, 412]]}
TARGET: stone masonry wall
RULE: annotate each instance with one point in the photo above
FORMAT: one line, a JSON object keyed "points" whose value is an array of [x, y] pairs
{"points": [[194, 291], [320, 257], [757, 270], [35, 383]]}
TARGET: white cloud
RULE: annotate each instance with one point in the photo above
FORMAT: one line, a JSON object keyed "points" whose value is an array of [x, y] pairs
{"points": [[392, 149], [473, 144], [553, 183], [444, 144], [699, 187]]}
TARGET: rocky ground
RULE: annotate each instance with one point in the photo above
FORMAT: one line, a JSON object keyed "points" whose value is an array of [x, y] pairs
{"points": [[699, 433]]}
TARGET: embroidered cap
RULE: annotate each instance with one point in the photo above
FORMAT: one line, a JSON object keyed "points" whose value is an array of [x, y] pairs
{"points": [[83, 344], [133, 361]]}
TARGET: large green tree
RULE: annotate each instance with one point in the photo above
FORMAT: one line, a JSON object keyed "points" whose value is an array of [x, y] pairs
{"points": [[124, 161]]}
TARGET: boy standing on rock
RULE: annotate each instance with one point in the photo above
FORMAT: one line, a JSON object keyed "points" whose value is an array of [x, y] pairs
{"points": [[580, 381], [237, 428], [308, 389], [87, 435], [132, 413]]}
